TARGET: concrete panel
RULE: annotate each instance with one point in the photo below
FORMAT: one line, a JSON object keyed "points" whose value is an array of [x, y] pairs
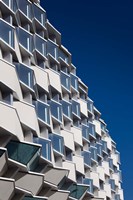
{"points": [[68, 139], [79, 162], [77, 135], [83, 107], [97, 127], [71, 167], [6, 189], [9, 121], [30, 182]]}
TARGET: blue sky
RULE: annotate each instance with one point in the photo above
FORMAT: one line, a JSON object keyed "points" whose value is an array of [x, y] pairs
{"points": [[99, 34]]}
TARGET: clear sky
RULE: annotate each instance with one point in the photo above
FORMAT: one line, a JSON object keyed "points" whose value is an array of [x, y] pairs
{"points": [[99, 34]]}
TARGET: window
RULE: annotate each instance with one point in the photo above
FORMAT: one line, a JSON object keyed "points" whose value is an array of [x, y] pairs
{"points": [[46, 147], [74, 81], [57, 142], [7, 33], [25, 74], [25, 39], [65, 80], [43, 111], [25, 8], [52, 49], [40, 45], [67, 110], [39, 14], [56, 110], [76, 108]]}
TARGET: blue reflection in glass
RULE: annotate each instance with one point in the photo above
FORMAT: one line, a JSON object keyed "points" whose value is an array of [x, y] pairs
{"points": [[65, 80], [43, 110], [56, 110], [25, 39], [40, 45], [52, 49], [25, 74], [46, 147], [74, 81], [76, 108], [57, 142], [67, 108], [7, 33], [39, 14]]}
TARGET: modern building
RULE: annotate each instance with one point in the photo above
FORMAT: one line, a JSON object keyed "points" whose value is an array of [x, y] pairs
{"points": [[53, 143]]}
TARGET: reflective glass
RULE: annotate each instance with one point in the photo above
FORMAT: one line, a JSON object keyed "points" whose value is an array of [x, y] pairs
{"points": [[25, 7], [52, 49], [40, 45], [56, 110], [67, 110], [65, 80], [21, 152], [85, 132], [77, 191], [93, 151], [43, 111], [74, 81], [87, 157], [11, 4], [90, 105], [25, 39], [92, 129], [46, 147], [76, 108], [39, 14], [104, 146], [99, 149], [25, 74], [90, 183], [63, 56], [33, 198], [7, 33], [112, 183], [57, 142]]}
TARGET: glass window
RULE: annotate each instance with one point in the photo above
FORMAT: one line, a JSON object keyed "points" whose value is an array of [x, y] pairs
{"points": [[92, 130], [63, 56], [25, 74], [25, 7], [76, 108], [104, 146], [65, 80], [32, 198], [43, 110], [90, 183], [25, 39], [56, 110], [90, 105], [74, 81], [11, 4], [39, 14], [46, 147], [93, 151], [7, 33], [52, 49], [57, 142], [40, 45], [85, 132], [87, 157], [67, 109], [21, 152], [77, 191]]}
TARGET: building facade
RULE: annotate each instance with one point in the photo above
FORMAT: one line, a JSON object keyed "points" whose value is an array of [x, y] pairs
{"points": [[53, 143]]}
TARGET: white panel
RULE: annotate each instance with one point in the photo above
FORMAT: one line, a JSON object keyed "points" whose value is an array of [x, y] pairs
{"points": [[54, 79], [97, 127], [79, 162], [29, 182], [71, 167], [68, 139], [116, 178], [100, 171], [107, 189], [77, 135], [8, 76], [115, 159], [6, 189], [27, 115], [83, 107], [9, 121], [41, 78], [59, 195], [95, 177], [106, 167], [109, 143]]}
